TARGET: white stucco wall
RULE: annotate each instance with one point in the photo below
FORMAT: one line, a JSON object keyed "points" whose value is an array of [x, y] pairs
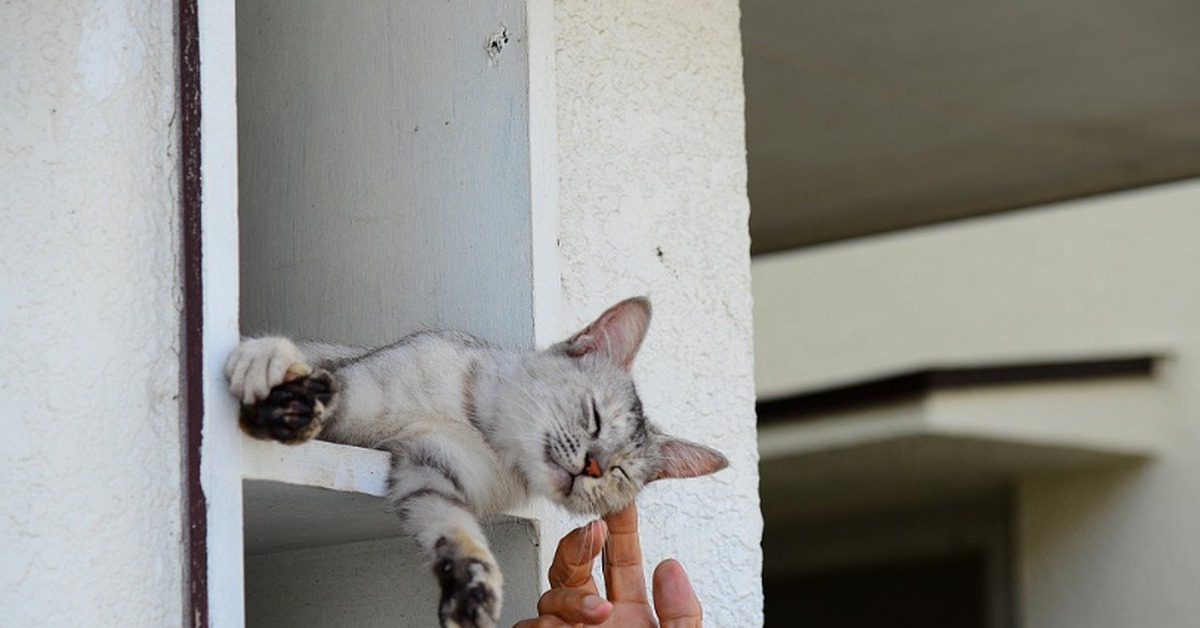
{"points": [[652, 200], [89, 458]]}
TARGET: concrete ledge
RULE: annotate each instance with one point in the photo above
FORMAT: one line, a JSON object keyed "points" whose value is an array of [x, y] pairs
{"points": [[318, 494], [954, 442], [317, 464]]}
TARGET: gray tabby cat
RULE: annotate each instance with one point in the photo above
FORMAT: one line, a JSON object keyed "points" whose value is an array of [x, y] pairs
{"points": [[474, 429]]}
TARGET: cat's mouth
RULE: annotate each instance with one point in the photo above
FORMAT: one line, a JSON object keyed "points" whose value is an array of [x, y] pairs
{"points": [[562, 479]]}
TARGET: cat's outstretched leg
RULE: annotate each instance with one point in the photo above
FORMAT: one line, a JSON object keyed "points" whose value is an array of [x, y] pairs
{"points": [[283, 398], [428, 496], [470, 579]]}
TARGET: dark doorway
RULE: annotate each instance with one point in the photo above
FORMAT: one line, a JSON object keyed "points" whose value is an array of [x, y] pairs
{"points": [[947, 592]]}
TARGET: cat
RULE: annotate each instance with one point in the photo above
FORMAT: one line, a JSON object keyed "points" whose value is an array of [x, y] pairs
{"points": [[474, 430]]}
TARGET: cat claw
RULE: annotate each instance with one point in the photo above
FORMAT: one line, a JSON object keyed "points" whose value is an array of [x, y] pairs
{"points": [[470, 597], [293, 411]]}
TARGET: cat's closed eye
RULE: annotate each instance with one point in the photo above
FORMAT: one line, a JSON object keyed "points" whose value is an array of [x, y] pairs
{"points": [[595, 426]]}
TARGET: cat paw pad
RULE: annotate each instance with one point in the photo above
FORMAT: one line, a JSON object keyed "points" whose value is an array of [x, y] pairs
{"points": [[293, 411], [470, 593]]}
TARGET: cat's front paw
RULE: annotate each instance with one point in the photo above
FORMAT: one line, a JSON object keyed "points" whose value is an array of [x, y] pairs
{"points": [[293, 412], [471, 592], [258, 365]]}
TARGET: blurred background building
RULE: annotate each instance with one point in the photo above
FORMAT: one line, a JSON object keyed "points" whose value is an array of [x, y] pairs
{"points": [[977, 316]]}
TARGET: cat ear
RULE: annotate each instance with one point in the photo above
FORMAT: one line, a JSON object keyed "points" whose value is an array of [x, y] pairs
{"points": [[617, 334], [682, 459]]}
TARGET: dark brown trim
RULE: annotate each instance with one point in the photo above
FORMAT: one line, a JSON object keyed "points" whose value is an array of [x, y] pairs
{"points": [[196, 525], [919, 383]]}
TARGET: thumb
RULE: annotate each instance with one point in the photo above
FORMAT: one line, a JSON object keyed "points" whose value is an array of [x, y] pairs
{"points": [[675, 602]]}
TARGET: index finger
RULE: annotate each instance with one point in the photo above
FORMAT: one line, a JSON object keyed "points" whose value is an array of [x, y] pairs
{"points": [[623, 576], [572, 566]]}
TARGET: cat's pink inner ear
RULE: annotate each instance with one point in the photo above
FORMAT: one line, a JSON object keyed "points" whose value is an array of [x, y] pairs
{"points": [[617, 334], [681, 459]]}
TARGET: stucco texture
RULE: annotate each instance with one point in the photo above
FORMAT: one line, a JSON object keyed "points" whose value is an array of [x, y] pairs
{"points": [[89, 457], [652, 200]]}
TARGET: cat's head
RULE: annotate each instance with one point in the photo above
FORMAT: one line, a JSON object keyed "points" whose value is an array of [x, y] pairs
{"points": [[595, 448]]}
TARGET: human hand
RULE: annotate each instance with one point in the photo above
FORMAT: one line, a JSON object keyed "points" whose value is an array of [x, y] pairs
{"points": [[573, 598]]}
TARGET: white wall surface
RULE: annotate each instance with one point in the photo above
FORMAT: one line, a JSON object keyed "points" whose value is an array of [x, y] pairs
{"points": [[1085, 279], [384, 173], [1109, 275], [1120, 549], [653, 201], [90, 531], [371, 583]]}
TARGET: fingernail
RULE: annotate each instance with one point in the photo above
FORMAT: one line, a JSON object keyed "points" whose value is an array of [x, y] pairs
{"points": [[591, 602]]}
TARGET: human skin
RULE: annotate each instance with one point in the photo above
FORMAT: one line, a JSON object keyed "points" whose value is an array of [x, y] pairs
{"points": [[573, 599]]}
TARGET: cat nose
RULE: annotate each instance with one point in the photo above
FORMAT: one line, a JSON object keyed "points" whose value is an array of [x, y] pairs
{"points": [[591, 467]]}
